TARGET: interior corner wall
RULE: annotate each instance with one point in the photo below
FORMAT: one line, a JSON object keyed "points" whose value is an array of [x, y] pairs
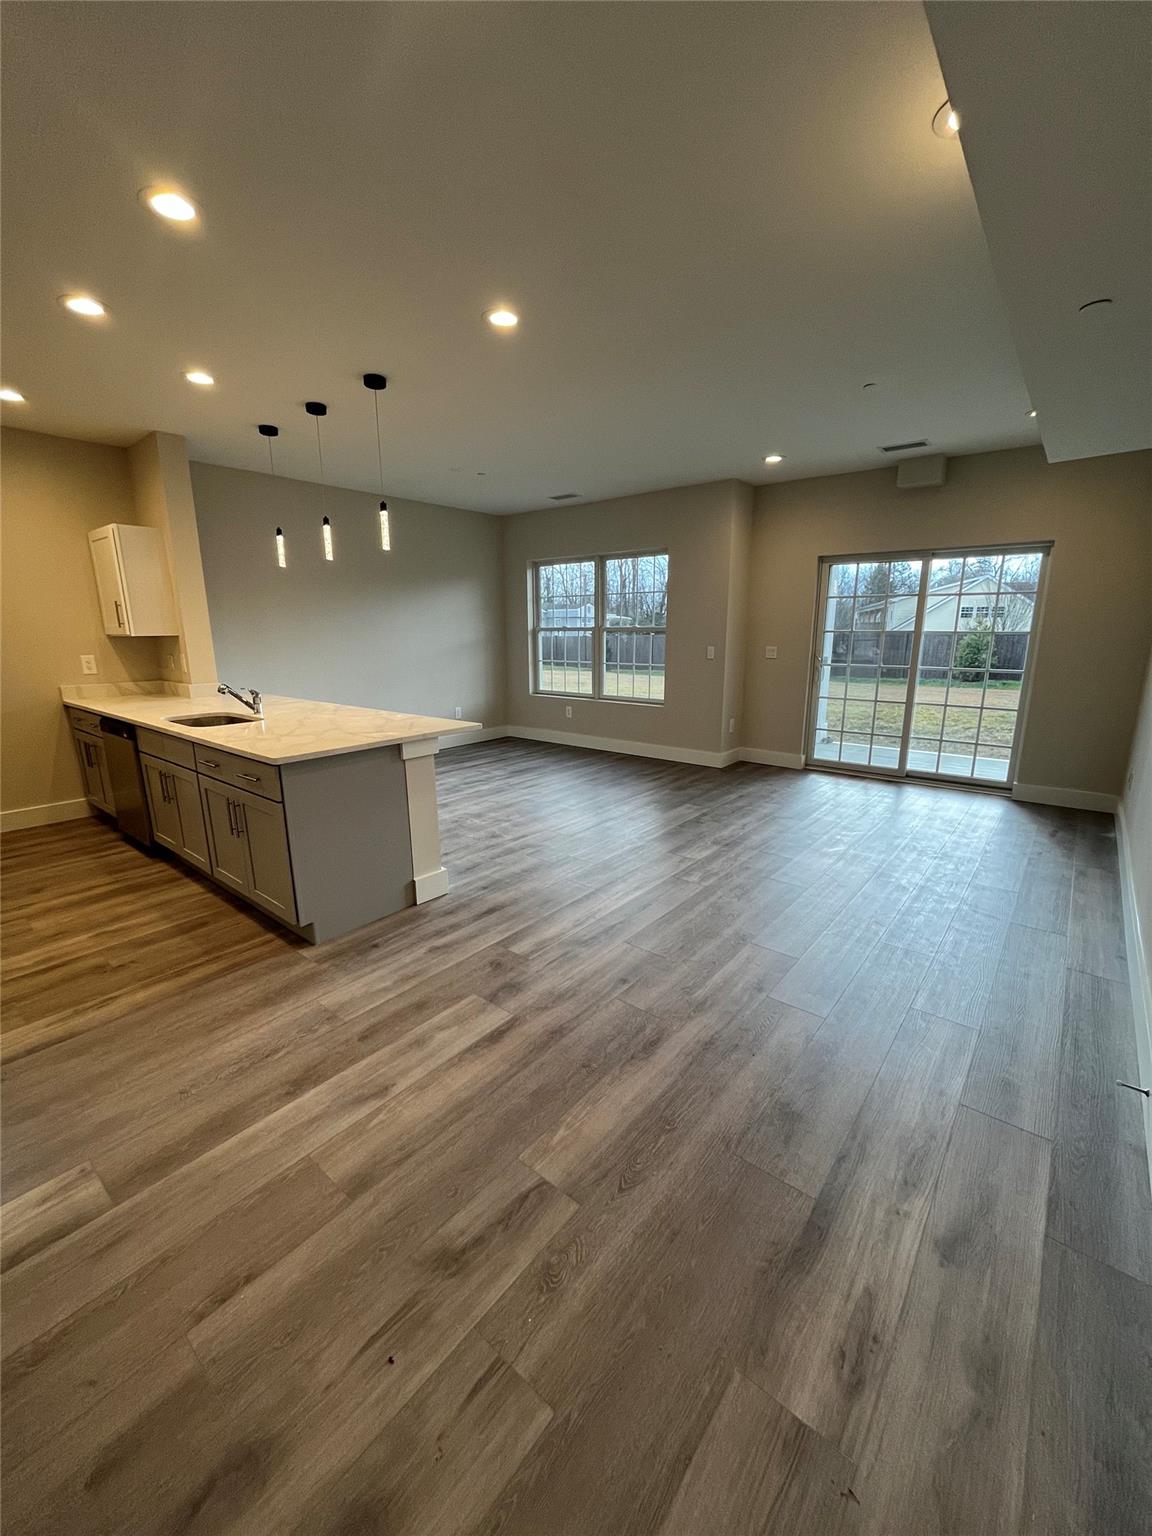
{"points": [[735, 648], [1096, 626], [162, 495], [55, 491], [695, 525], [1136, 824], [418, 630]]}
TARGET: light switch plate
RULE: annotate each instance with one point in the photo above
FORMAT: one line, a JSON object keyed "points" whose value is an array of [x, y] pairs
{"points": [[567, 711], [459, 712], [770, 653], [710, 653], [88, 665]]}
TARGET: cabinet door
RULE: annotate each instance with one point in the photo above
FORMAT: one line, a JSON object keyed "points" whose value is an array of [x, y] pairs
{"points": [[92, 765], [185, 789], [109, 581], [268, 857], [162, 804], [227, 844]]}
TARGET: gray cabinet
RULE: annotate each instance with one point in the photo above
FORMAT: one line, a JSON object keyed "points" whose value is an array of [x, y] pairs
{"points": [[269, 863], [177, 811], [226, 846], [94, 769], [248, 845]]}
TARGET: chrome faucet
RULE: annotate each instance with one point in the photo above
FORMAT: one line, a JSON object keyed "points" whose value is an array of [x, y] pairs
{"points": [[254, 703]]}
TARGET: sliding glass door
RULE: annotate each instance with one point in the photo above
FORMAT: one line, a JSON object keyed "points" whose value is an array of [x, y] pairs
{"points": [[921, 662]]}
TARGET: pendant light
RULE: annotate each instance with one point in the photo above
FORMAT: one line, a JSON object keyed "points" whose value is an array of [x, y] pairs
{"points": [[376, 382], [317, 409], [269, 432]]}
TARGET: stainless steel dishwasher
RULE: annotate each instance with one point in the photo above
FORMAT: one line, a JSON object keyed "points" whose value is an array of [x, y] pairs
{"points": [[126, 780]]}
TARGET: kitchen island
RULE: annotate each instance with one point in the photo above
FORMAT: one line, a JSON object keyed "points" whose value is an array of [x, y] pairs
{"points": [[322, 815]]}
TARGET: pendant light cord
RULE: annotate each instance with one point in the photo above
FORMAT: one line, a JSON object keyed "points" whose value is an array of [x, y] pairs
{"points": [[271, 460], [379, 449], [320, 456]]}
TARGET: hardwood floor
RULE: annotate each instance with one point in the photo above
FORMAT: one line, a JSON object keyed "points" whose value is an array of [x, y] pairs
{"points": [[731, 1152]]}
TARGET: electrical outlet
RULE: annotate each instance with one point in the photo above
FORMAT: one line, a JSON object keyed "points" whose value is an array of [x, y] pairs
{"points": [[732, 725], [710, 653], [170, 662], [459, 713], [88, 665], [769, 653], [567, 711]]}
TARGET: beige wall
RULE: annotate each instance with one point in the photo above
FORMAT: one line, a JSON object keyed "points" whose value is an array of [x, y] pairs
{"points": [[1137, 812], [54, 491], [162, 493], [1097, 622], [420, 629], [699, 526]]}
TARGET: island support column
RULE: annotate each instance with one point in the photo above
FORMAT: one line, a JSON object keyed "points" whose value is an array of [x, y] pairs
{"points": [[429, 877]]}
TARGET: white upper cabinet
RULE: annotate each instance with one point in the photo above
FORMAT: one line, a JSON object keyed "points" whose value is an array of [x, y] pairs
{"points": [[132, 580]]}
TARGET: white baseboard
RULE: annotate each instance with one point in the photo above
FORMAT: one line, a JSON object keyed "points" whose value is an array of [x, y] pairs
{"points": [[1072, 799], [429, 886], [771, 759], [696, 756], [44, 815], [1139, 947], [470, 738]]}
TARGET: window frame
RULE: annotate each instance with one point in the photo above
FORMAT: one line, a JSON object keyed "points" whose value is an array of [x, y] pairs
{"points": [[599, 629]]}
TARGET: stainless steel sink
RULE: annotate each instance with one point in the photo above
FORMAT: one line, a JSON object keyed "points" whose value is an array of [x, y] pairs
{"points": [[211, 719]]}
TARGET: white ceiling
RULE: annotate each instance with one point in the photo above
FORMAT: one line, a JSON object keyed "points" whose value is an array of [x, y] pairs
{"points": [[718, 222], [1055, 99]]}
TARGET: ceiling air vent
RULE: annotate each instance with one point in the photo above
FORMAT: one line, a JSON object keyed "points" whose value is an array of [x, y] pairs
{"points": [[903, 447], [566, 496]]}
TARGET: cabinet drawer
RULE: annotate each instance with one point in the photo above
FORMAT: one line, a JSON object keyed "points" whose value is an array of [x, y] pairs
{"points": [[170, 748], [85, 720], [241, 772]]}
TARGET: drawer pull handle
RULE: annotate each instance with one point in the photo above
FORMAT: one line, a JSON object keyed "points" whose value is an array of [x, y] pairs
{"points": [[208, 763], [249, 778]]}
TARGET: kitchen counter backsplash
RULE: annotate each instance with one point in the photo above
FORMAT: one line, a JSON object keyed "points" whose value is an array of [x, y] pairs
{"points": [[127, 690]]}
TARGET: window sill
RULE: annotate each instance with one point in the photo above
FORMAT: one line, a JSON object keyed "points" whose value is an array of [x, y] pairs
{"points": [[592, 698]]}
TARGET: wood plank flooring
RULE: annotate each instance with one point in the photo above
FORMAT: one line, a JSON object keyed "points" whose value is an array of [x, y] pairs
{"points": [[729, 1152]]}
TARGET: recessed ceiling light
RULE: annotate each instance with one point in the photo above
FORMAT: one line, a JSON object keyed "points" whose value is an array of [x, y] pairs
{"points": [[503, 319], [170, 205], [1031, 415], [13, 396], [83, 304], [198, 376], [774, 458], [946, 122]]}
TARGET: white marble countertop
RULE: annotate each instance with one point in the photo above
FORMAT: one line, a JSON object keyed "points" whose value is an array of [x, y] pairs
{"points": [[292, 730]]}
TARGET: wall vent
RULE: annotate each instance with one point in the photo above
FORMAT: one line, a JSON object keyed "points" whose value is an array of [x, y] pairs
{"points": [[903, 447], [566, 496]]}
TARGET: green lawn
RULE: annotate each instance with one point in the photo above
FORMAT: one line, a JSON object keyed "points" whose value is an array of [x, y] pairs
{"points": [[937, 712], [623, 685]]}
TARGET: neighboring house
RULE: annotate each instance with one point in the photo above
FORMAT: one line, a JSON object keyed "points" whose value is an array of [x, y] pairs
{"points": [[1006, 610]]}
